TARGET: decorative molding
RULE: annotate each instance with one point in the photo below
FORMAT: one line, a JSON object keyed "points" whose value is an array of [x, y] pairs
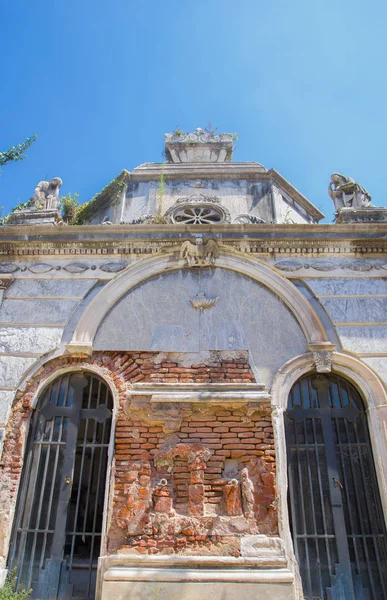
{"points": [[198, 200], [282, 242], [244, 219], [200, 302], [252, 394], [330, 265], [76, 267], [40, 268], [8, 268], [114, 267]]}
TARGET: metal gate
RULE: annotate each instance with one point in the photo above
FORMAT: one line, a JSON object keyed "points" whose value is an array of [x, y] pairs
{"points": [[335, 511], [57, 532]]}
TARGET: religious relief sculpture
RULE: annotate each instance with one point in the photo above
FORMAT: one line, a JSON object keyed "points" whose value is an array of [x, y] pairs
{"points": [[197, 456], [232, 492], [199, 254], [346, 193], [46, 195], [247, 494]]}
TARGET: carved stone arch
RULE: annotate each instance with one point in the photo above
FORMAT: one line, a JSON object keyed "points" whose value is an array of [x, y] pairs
{"points": [[374, 395], [138, 272]]}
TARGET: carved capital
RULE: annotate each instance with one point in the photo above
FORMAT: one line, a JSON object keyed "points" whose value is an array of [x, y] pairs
{"points": [[322, 356], [323, 361], [5, 282]]}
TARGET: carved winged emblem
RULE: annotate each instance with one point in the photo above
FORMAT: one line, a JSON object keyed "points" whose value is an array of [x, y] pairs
{"points": [[199, 254]]}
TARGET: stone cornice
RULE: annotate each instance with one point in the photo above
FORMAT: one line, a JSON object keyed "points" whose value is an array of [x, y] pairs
{"points": [[148, 239]]}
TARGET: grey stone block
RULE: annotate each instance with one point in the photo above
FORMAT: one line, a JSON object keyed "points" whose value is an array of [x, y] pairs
{"points": [[29, 339], [341, 286], [6, 399], [12, 368], [50, 287], [37, 311], [356, 310], [364, 339]]}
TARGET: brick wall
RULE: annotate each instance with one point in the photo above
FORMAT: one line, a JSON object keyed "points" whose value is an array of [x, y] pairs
{"points": [[142, 436]]}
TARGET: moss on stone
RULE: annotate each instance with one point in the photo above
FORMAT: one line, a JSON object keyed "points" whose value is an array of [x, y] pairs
{"points": [[109, 195]]}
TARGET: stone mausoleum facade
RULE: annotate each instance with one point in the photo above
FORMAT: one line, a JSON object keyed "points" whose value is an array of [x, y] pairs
{"points": [[193, 387]]}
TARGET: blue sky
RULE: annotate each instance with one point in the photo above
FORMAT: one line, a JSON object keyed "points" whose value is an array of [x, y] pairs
{"points": [[303, 84]]}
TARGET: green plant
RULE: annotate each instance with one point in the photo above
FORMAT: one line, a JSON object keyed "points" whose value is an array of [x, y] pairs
{"points": [[287, 218], [69, 207], [160, 190], [150, 220], [15, 153], [8, 591], [179, 131]]}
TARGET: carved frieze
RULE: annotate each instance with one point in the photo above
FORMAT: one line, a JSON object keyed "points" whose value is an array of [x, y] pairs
{"points": [[114, 267], [76, 267]]}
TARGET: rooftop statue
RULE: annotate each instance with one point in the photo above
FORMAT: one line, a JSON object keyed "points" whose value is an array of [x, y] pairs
{"points": [[46, 194], [346, 193]]}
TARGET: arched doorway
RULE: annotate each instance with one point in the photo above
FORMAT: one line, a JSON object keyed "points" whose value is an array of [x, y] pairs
{"points": [[336, 517], [58, 525]]}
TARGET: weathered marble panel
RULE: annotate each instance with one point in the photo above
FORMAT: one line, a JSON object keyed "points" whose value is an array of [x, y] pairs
{"points": [[341, 286], [356, 310], [50, 287], [6, 399], [158, 315], [364, 339], [12, 368], [378, 364], [37, 311], [29, 339]]}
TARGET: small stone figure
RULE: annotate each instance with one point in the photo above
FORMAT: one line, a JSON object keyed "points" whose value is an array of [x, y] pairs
{"points": [[232, 492], [346, 193], [247, 494], [46, 195]]}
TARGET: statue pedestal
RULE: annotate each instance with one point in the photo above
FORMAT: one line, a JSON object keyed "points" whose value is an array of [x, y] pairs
{"points": [[34, 216], [361, 215]]}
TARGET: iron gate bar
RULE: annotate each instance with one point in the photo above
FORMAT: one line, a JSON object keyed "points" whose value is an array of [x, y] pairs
{"points": [[360, 505], [34, 473], [349, 459], [80, 475], [43, 471], [321, 496], [96, 503], [313, 511]]}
